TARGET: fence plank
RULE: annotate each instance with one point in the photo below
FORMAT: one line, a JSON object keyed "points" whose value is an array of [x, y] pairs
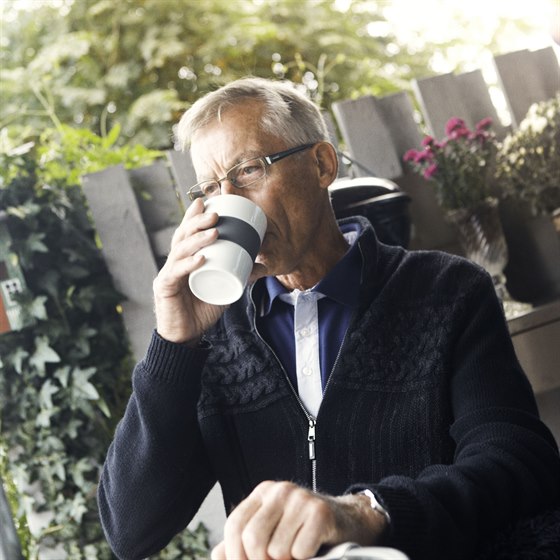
{"points": [[367, 138], [440, 98], [456, 95], [478, 102], [398, 114], [159, 205], [183, 173], [547, 62], [527, 77], [126, 249]]}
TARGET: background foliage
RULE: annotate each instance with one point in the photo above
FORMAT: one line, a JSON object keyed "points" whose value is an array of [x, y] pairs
{"points": [[142, 62], [111, 77], [65, 380]]}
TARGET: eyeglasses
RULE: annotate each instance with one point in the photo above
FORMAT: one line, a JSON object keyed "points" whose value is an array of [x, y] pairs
{"points": [[243, 174]]}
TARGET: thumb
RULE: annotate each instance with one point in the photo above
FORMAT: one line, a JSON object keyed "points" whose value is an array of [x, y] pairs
{"points": [[219, 552]]}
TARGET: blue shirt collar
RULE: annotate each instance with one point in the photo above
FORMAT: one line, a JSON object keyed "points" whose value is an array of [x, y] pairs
{"points": [[341, 284]]}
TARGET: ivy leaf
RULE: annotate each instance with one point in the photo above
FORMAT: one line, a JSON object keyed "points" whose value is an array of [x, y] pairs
{"points": [[24, 210], [82, 388], [104, 408], [17, 358], [62, 375], [34, 243], [78, 508], [43, 354], [71, 428], [37, 307], [45, 394], [43, 419], [77, 471]]}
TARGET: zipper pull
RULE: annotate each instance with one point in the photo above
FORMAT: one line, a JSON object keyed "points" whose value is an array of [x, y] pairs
{"points": [[311, 439]]}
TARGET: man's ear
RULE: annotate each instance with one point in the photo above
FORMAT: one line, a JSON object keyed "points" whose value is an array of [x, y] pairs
{"points": [[327, 163]]}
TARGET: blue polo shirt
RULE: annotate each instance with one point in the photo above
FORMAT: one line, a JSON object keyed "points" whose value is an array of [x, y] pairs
{"points": [[340, 287]]}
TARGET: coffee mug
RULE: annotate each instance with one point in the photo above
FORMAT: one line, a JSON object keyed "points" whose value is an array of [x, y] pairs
{"points": [[229, 260]]}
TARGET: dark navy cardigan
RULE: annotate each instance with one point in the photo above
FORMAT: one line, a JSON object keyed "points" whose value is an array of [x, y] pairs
{"points": [[427, 405]]}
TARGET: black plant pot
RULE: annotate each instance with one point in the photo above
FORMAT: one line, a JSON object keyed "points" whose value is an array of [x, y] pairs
{"points": [[533, 269]]}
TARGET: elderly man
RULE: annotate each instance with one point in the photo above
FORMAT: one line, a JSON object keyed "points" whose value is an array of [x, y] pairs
{"points": [[357, 392]]}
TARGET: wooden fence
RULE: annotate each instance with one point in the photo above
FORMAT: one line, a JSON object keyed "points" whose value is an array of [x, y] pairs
{"points": [[135, 212]]}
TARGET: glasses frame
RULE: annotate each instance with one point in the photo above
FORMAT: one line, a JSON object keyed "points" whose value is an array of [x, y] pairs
{"points": [[268, 161]]}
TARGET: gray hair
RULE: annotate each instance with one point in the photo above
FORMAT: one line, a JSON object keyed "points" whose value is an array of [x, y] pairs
{"points": [[287, 112]]}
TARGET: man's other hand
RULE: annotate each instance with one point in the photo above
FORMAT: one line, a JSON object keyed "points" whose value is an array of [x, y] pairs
{"points": [[282, 521]]}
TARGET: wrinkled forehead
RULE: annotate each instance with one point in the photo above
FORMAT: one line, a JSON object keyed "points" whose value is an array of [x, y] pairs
{"points": [[234, 137]]}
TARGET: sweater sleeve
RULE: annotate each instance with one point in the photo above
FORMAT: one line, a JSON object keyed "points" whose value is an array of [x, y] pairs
{"points": [[156, 473], [506, 464]]}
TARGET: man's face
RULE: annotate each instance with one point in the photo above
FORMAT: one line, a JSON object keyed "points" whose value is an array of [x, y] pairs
{"points": [[292, 195]]}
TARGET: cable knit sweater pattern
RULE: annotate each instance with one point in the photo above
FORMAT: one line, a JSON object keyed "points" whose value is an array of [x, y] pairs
{"points": [[426, 405]]}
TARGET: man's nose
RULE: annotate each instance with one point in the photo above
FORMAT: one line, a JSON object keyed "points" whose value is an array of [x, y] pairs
{"points": [[226, 187]]}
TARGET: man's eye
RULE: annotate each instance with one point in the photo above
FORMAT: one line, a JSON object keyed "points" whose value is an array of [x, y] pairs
{"points": [[210, 188], [248, 170]]}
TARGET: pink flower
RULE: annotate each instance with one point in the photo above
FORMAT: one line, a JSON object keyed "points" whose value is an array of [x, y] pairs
{"points": [[410, 155], [454, 123], [422, 157], [462, 158], [484, 124], [459, 132], [430, 171]]}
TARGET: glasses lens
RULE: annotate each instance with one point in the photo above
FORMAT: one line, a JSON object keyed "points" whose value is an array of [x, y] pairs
{"points": [[210, 188], [247, 173], [204, 190], [194, 193]]}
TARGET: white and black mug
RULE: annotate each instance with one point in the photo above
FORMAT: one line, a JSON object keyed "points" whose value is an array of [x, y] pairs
{"points": [[229, 260]]}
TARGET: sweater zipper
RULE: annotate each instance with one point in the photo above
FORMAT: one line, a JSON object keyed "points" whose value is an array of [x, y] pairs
{"points": [[311, 420]]}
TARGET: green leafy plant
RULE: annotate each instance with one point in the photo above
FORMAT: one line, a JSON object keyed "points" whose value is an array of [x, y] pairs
{"points": [[64, 380], [60, 377], [461, 166], [528, 165]]}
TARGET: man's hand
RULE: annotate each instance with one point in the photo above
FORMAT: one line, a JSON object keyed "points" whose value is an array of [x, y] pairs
{"points": [[282, 521], [180, 316]]}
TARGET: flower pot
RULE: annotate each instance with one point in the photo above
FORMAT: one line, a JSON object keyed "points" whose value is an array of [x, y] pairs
{"points": [[533, 269], [483, 241], [481, 236]]}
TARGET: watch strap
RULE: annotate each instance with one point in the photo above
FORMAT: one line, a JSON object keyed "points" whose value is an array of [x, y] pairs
{"points": [[375, 505]]}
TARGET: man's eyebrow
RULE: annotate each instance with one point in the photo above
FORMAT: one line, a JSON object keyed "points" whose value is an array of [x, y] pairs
{"points": [[243, 156]]}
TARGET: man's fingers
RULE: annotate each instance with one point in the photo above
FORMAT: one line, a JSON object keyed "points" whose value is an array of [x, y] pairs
{"points": [[219, 552], [303, 527], [279, 521], [194, 220], [235, 527]]}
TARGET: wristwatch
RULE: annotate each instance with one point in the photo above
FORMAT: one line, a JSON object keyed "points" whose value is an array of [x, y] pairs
{"points": [[376, 505]]}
